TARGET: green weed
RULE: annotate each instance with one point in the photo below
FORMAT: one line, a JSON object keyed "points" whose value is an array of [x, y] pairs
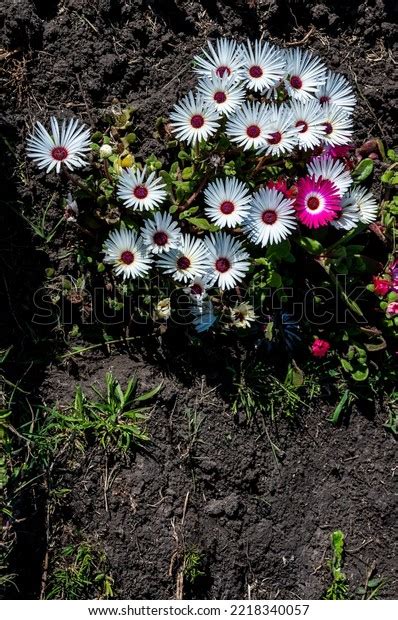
{"points": [[193, 565], [338, 589], [81, 571]]}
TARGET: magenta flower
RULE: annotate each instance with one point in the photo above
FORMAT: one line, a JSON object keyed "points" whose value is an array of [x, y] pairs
{"points": [[339, 152], [381, 286], [392, 308], [317, 202], [320, 347]]}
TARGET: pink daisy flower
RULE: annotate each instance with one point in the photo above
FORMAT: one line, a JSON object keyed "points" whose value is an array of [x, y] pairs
{"points": [[320, 347], [317, 202]]}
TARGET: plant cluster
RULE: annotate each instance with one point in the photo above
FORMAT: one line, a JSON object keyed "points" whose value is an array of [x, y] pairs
{"points": [[251, 228]]}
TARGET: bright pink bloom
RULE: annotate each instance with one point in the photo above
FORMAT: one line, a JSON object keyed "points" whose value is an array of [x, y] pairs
{"points": [[320, 347], [381, 285], [317, 202], [339, 152], [392, 308], [394, 275]]}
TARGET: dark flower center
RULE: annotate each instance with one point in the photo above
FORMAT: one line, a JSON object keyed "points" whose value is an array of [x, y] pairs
{"points": [[324, 99], [220, 96], [313, 203], [269, 217], [196, 289], [197, 121], [255, 71], [227, 207], [296, 81], [303, 125], [275, 138], [160, 238], [140, 192], [59, 153], [253, 131], [223, 70], [328, 128], [222, 264], [127, 257], [183, 262]]}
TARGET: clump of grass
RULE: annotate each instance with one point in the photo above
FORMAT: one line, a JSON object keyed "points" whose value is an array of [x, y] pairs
{"points": [[258, 391], [193, 566], [116, 419], [338, 589], [81, 571]]}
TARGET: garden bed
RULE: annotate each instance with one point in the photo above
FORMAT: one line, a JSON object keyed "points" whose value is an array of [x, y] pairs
{"points": [[257, 503]]}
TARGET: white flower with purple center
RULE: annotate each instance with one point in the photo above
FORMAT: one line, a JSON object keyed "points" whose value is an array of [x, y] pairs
{"points": [[282, 133], [228, 202], [194, 119], [197, 288], [127, 253], [185, 262], [264, 65], [338, 125], [272, 218], [226, 260], [224, 93], [138, 192], [305, 73], [161, 234], [309, 119], [249, 126], [326, 167], [349, 216], [223, 60], [338, 91], [67, 145], [366, 203]]}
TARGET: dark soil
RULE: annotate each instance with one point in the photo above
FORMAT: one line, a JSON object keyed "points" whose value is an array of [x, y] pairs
{"points": [[262, 523]]}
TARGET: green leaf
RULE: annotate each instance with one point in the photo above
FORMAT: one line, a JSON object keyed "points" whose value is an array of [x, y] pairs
{"points": [[346, 365], [361, 374], [149, 394], [363, 170], [202, 223], [187, 173], [188, 212], [312, 246], [344, 400]]}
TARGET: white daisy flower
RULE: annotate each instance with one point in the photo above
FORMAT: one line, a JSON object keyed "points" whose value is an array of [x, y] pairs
{"points": [[305, 74], [282, 134], [338, 125], [65, 145], [223, 60], [139, 193], [242, 315], [330, 170], [272, 217], [224, 93], [204, 316], [349, 216], [264, 65], [226, 260], [228, 202], [194, 119], [338, 91], [185, 262], [197, 288], [309, 119], [249, 126], [127, 253], [366, 203], [161, 234]]}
